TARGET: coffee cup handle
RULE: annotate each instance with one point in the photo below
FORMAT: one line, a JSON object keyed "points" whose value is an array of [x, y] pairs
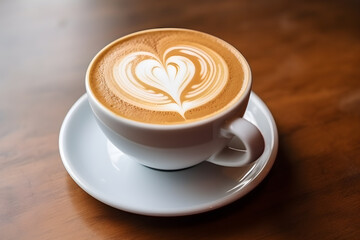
{"points": [[251, 138]]}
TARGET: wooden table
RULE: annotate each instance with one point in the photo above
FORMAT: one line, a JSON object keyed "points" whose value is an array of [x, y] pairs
{"points": [[305, 59]]}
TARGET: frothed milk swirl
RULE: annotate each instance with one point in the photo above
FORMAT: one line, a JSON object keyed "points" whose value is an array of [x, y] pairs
{"points": [[168, 76]]}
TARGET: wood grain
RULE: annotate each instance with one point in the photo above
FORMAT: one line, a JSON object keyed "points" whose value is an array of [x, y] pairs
{"points": [[305, 58]]}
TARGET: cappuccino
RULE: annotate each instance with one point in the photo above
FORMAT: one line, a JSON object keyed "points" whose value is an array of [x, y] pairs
{"points": [[168, 76]]}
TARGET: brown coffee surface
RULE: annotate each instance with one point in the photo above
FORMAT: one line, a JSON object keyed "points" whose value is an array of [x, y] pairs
{"points": [[168, 76]]}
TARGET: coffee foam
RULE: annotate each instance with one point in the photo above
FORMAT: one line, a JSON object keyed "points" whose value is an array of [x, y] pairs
{"points": [[167, 76]]}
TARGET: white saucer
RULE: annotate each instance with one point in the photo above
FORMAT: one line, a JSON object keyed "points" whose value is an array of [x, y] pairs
{"points": [[124, 184]]}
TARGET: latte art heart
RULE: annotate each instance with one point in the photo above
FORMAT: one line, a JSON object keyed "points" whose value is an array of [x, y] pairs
{"points": [[183, 78], [168, 76]]}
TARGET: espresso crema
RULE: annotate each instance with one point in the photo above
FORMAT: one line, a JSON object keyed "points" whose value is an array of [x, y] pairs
{"points": [[168, 76]]}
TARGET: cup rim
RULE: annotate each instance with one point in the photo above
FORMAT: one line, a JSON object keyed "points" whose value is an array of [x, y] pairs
{"points": [[176, 126]]}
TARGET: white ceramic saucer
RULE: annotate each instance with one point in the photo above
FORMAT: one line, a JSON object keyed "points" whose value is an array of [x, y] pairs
{"points": [[111, 177]]}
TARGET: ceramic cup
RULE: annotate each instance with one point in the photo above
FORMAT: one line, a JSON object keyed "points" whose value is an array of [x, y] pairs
{"points": [[179, 146]]}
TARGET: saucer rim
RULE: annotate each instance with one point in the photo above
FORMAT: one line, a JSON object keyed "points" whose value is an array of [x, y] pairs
{"points": [[195, 209]]}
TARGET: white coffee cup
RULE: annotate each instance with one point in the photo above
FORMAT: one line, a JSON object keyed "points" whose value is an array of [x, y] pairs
{"points": [[178, 146]]}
